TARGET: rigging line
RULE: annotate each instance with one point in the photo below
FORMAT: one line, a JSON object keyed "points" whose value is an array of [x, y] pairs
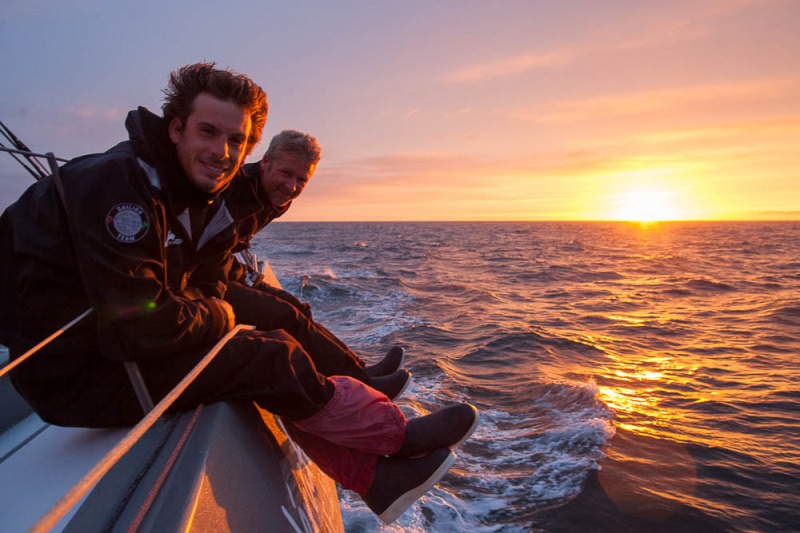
{"points": [[47, 522], [36, 173], [19, 360], [33, 165], [36, 169], [17, 143], [33, 154], [8, 134]]}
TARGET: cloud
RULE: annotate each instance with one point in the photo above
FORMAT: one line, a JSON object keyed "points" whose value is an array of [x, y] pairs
{"points": [[93, 113], [661, 101], [772, 126], [508, 66], [670, 24], [422, 166], [442, 187]]}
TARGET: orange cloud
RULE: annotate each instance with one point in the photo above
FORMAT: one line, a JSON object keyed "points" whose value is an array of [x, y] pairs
{"points": [[774, 126], [673, 100], [447, 187], [657, 26], [509, 66]]}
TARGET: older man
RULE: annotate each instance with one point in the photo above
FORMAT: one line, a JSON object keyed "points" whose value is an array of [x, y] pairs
{"points": [[265, 191]]}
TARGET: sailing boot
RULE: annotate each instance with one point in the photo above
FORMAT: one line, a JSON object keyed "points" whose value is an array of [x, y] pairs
{"points": [[446, 428], [390, 363], [399, 482], [392, 385]]}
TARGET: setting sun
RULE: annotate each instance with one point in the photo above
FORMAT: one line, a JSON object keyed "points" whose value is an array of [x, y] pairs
{"points": [[646, 206]]}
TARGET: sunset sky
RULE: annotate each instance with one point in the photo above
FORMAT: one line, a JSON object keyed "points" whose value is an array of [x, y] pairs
{"points": [[449, 110]]}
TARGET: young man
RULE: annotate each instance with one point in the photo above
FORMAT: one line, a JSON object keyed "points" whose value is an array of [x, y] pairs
{"points": [[262, 192], [140, 235]]}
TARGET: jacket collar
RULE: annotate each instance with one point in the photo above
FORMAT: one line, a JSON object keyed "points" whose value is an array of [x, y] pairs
{"points": [[150, 138]]}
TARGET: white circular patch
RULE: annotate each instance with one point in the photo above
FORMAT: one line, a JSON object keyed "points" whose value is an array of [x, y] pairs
{"points": [[127, 222]]}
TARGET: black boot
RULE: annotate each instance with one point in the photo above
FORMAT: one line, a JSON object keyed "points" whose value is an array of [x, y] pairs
{"points": [[399, 482], [390, 363], [446, 428], [392, 385]]}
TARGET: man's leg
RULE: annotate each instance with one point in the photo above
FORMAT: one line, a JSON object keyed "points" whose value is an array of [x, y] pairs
{"points": [[351, 469], [388, 485], [268, 311], [391, 362], [270, 368], [358, 417], [363, 419], [354, 439]]}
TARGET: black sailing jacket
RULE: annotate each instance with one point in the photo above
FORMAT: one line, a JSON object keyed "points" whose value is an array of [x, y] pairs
{"points": [[125, 250], [252, 211]]}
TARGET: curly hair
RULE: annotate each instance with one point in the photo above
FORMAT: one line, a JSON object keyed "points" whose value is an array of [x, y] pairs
{"points": [[298, 143], [187, 82]]}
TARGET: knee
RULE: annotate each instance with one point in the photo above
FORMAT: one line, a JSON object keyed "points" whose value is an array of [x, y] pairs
{"points": [[283, 336]]}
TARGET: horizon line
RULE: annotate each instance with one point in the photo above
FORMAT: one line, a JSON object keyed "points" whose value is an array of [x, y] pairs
{"points": [[593, 221]]}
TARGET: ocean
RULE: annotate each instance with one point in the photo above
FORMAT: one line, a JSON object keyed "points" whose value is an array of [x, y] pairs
{"points": [[630, 377]]}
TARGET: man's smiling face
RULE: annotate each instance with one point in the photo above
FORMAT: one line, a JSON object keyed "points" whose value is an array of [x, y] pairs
{"points": [[213, 143], [284, 176]]}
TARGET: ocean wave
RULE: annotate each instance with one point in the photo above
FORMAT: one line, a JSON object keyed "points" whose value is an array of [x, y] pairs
{"points": [[677, 291], [525, 464], [786, 315], [709, 285]]}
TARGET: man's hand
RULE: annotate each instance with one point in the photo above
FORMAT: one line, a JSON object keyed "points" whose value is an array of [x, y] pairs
{"points": [[225, 308]]}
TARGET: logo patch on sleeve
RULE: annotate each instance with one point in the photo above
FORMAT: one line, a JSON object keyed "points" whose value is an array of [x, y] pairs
{"points": [[127, 222]]}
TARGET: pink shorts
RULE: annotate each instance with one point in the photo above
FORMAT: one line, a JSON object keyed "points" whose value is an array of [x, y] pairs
{"points": [[346, 437]]}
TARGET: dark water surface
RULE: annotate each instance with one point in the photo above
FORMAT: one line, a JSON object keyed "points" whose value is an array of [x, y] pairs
{"points": [[630, 378]]}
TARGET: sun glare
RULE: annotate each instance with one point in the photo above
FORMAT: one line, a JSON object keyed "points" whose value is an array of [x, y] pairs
{"points": [[646, 206]]}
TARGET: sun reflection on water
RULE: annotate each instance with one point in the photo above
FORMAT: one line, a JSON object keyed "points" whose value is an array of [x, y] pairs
{"points": [[641, 392], [644, 393]]}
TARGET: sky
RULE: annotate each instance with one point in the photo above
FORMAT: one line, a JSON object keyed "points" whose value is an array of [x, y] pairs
{"points": [[448, 109]]}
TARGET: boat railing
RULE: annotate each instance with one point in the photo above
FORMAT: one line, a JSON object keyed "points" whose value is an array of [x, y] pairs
{"points": [[33, 166], [30, 353], [73, 496], [132, 369], [152, 414]]}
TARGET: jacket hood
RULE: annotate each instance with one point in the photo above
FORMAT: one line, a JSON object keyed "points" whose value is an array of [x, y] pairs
{"points": [[149, 136]]}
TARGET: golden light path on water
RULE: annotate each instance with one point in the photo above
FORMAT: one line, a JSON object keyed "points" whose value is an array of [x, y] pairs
{"points": [[657, 394], [634, 390]]}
